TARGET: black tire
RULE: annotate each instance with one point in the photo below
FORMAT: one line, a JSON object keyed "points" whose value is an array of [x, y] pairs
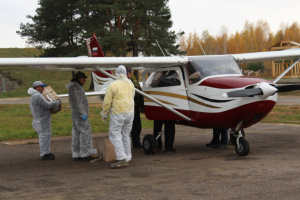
{"points": [[244, 147], [233, 136], [149, 144]]}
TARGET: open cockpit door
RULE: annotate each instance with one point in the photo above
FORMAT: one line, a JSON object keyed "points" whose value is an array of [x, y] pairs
{"points": [[167, 86]]}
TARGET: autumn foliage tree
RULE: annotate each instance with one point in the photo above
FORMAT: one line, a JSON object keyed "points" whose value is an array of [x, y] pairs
{"points": [[253, 38]]}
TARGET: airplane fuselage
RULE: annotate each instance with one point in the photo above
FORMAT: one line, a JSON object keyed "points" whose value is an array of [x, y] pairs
{"points": [[203, 98]]}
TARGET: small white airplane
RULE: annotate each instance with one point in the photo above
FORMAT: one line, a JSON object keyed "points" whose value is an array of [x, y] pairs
{"points": [[199, 91]]}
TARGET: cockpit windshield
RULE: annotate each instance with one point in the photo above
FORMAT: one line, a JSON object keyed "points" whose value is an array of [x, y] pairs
{"points": [[201, 67]]}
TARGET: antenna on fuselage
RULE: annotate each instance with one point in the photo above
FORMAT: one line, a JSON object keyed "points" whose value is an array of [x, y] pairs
{"points": [[160, 48], [201, 46]]}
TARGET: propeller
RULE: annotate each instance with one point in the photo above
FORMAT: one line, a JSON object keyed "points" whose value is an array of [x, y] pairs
{"points": [[287, 88], [245, 92], [263, 89]]}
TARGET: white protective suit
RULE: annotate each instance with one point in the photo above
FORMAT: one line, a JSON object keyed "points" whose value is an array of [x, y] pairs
{"points": [[81, 130], [119, 102], [40, 110]]}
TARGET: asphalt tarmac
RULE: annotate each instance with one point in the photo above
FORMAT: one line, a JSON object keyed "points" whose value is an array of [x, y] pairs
{"points": [[270, 171]]}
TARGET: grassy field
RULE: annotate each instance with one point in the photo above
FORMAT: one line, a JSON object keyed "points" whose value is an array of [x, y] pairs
{"points": [[16, 122], [19, 52], [26, 76], [284, 114]]}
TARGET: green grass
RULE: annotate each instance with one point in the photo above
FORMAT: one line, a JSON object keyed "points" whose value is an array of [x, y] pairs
{"points": [[26, 76], [284, 114], [16, 122], [19, 52]]}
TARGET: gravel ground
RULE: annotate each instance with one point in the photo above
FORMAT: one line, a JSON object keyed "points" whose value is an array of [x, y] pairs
{"points": [[270, 171]]}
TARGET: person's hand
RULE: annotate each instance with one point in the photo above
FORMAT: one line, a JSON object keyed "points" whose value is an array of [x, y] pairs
{"points": [[104, 119], [84, 117], [59, 101]]}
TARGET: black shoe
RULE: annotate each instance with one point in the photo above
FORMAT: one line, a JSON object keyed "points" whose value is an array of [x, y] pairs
{"points": [[51, 155], [212, 144], [89, 158], [47, 157], [171, 150], [77, 159]]}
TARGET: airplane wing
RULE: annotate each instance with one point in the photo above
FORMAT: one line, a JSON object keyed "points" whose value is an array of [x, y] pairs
{"points": [[267, 56], [89, 63]]}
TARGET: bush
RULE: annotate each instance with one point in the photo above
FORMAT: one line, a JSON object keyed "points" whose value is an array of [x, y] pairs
{"points": [[256, 66]]}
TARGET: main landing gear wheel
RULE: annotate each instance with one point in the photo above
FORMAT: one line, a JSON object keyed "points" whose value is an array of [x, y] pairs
{"points": [[243, 148], [149, 144]]}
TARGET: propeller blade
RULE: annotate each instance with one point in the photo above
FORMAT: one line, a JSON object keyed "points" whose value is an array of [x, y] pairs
{"points": [[264, 89], [245, 92], [287, 88]]}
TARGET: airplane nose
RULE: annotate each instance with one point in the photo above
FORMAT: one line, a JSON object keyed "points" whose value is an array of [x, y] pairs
{"points": [[264, 89], [267, 89]]}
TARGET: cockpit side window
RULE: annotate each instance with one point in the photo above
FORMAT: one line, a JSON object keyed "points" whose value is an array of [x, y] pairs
{"points": [[165, 79], [193, 74]]}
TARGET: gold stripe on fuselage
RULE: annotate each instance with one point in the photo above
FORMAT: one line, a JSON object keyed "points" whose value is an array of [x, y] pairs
{"points": [[167, 94], [164, 102], [202, 104]]}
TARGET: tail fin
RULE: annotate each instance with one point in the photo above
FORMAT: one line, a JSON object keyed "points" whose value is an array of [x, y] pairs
{"points": [[93, 47], [100, 80]]}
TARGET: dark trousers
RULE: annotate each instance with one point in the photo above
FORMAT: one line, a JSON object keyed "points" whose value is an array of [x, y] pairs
{"points": [[169, 132], [224, 135], [136, 130]]}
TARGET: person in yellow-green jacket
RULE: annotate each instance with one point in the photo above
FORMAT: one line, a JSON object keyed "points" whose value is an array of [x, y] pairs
{"points": [[119, 103]]}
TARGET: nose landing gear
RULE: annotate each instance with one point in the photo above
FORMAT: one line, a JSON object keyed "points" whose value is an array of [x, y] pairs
{"points": [[237, 138]]}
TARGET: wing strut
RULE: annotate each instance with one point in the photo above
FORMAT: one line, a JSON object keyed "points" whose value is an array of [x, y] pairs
{"points": [[148, 97], [285, 71]]}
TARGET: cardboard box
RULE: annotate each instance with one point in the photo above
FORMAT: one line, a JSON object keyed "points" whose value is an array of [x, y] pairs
{"points": [[95, 147], [50, 95], [108, 151]]}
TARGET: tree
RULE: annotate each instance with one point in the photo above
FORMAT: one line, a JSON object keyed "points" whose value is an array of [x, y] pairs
{"points": [[151, 21], [222, 41], [54, 26], [209, 43], [122, 26], [292, 33], [262, 31]]}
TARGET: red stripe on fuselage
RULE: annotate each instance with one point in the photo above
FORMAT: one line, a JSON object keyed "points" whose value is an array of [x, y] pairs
{"points": [[251, 113], [231, 82]]}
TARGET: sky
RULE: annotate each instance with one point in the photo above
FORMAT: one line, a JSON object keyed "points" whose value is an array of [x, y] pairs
{"points": [[187, 15]]}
